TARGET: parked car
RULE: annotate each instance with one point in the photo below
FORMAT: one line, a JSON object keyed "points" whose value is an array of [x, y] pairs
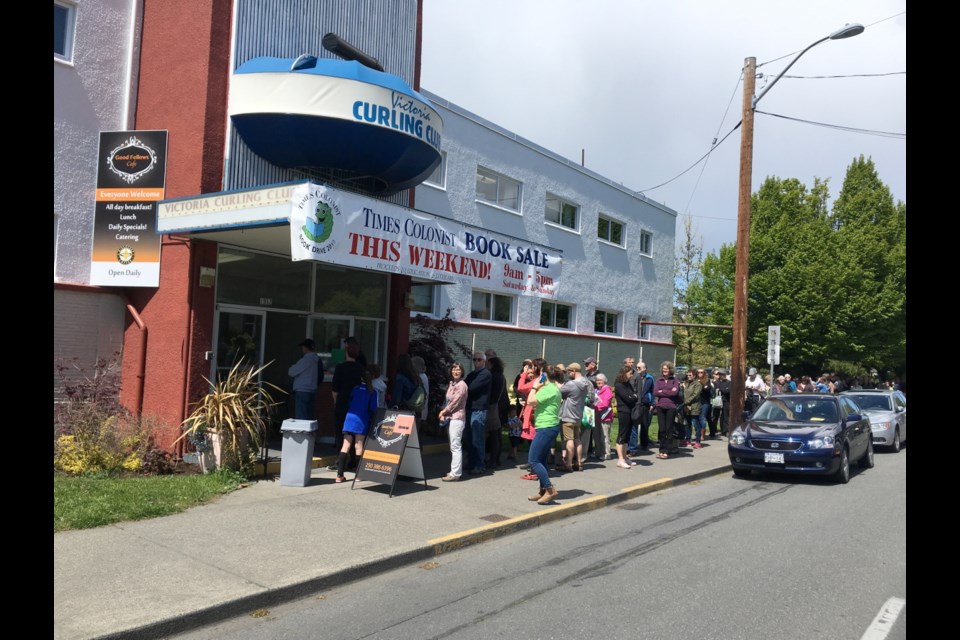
{"points": [[887, 410], [803, 433]]}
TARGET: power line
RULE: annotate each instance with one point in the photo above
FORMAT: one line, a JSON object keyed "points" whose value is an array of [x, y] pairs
{"points": [[852, 75], [883, 134]]}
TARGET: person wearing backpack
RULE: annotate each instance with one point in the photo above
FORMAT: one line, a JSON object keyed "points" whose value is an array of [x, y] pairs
{"points": [[307, 374], [408, 393]]}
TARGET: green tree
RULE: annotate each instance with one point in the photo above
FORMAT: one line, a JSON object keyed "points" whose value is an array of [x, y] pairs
{"points": [[689, 260], [712, 297]]}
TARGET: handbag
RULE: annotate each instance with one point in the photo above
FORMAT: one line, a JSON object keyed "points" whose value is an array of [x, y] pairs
{"points": [[588, 421], [716, 401]]}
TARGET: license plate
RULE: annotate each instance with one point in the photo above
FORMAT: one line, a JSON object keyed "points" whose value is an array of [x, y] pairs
{"points": [[773, 458]]}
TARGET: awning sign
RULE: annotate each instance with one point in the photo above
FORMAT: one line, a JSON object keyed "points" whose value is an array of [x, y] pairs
{"points": [[333, 226]]}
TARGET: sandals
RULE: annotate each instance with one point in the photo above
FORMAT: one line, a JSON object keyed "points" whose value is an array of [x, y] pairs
{"points": [[340, 479], [663, 456], [625, 465]]}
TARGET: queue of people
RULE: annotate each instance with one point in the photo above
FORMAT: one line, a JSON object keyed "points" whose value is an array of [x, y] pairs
{"points": [[563, 414]]}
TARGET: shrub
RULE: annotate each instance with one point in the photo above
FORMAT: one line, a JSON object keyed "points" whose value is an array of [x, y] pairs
{"points": [[430, 340], [93, 433]]}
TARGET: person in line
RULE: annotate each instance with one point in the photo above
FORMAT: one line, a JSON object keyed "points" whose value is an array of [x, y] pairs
{"points": [[496, 411], [626, 399], [645, 404], [791, 386], [545, 398], [455, 411], [421, 368], [723, 390], [307, 374], [716, 406], [538, 371], [666, 391], [379, 385], [603, 408], [703, 406], [405, 382], [635, 382], [478, 400], [520, 407], [574, 393], [755, 389], [360, 411], [346, 375], [521, 388]]}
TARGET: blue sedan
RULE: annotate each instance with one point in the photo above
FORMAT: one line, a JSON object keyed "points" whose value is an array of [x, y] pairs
{"points": [[803, 433]]}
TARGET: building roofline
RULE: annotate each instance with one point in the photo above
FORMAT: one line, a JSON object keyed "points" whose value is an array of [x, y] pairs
{"points": [[446, 104]]}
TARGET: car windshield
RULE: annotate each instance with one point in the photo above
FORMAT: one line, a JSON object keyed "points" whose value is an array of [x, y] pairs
{"points": [[872, 401], [799, 409]]}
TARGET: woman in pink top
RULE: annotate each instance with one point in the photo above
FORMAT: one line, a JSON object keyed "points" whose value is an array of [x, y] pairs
{"points": [[455, 411], [603, 406]]}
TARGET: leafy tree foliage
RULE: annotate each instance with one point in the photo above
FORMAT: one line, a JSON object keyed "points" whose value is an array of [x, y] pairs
{"points": [[835, 281]]}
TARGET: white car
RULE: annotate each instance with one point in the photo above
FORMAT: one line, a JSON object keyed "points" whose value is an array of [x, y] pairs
{"points": [[887, 411]]}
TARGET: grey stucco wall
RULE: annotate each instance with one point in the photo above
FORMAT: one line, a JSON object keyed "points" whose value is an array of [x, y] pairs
{"points": [[90, 95], [595, 274]]}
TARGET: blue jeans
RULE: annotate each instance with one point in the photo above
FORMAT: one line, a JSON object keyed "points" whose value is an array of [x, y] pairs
{"points": [[305, 405], [543, 439], [633, 436], [696, 423], [478, 436]]}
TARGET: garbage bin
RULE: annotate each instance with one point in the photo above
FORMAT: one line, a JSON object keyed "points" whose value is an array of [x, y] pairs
{"points": [[296, 456]]}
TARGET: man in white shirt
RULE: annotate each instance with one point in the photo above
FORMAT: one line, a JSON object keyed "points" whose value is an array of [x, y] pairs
{"points": [[755, 389]]}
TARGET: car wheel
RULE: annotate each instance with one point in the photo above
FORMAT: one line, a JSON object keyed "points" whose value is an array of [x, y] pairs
{"points": [[866, 462], [843, 473], [741, 473], [895, 447]]}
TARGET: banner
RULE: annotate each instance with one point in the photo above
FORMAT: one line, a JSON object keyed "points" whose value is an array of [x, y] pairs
{"points": [[131, 172], [334, 226]]}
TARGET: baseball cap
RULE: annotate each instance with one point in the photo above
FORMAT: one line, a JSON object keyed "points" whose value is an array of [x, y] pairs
{"points": [[308, 343], [752, 372], [590, 360]]}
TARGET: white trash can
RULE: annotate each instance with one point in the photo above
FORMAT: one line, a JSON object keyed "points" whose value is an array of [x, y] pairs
{"points": [[296, 456]]}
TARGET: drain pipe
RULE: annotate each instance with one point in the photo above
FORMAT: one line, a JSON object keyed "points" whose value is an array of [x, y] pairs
{"points": [[142, 367]]}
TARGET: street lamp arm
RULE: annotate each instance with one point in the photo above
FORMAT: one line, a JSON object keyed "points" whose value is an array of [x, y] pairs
{"points": [[846, 32]]}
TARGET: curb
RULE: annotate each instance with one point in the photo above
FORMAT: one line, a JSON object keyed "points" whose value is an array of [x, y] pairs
{"points": [[432, 548]]}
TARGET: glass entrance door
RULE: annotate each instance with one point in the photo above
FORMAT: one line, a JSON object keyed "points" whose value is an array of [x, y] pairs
{"points": [[239, 336], [329, 334]]}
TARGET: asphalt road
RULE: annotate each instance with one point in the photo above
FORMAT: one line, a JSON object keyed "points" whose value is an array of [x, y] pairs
{"points": [[724, 558]]}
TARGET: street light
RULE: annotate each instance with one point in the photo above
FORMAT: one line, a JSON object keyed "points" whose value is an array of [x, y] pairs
{"points": [[739, 355]]}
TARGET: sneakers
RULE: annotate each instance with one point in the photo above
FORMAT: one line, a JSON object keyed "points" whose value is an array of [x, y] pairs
{"points": [[340, 479], [697, 445], [686, 443], [548, 495], [450, 478], [529, 476]]}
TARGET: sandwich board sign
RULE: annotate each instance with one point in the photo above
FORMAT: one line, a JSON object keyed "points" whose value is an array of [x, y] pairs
{"points": [[392, 448]]}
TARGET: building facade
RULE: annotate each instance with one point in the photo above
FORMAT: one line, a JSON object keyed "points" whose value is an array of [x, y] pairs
{"points": [[231, 283]]}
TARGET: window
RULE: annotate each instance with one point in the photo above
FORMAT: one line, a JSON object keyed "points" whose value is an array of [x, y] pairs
{"points": [[422, 298], [439, 176], [498, 190], [561, 212], [643, 330], [646, 239], [606, 322], [491, 307], [64, 18], [610, 230], [556, 315]]}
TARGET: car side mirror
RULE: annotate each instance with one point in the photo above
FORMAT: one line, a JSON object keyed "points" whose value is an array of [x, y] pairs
{"points": [[853, 417]]}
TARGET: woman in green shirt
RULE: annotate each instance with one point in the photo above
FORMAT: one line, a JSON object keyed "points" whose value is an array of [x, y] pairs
{"points": [[545, 399]]}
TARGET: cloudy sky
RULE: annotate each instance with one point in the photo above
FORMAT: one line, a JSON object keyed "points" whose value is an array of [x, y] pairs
{"points": [[645, 87]]}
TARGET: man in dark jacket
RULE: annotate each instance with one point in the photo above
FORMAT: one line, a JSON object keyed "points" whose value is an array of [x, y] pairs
{"points": [[645, 402], [478, 397]]}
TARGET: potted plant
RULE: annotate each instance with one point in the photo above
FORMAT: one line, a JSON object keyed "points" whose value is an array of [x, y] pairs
{"points": [[226, 424]]}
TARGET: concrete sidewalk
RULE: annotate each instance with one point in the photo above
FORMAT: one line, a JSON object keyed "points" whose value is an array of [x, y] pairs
{"points": [[266, 544]]}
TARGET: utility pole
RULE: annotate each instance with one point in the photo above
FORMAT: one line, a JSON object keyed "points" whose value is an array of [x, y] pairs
{"points": [[738, 369]]}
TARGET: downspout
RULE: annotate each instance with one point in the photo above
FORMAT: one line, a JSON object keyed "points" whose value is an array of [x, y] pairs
{"points": [[142, 368], [185, 357]]}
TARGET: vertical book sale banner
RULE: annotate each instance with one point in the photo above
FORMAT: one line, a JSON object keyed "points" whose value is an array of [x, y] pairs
{"points": [[131, 172]]}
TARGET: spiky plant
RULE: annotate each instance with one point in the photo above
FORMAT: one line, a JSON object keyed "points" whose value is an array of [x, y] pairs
{"points": [[237, 409]]}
